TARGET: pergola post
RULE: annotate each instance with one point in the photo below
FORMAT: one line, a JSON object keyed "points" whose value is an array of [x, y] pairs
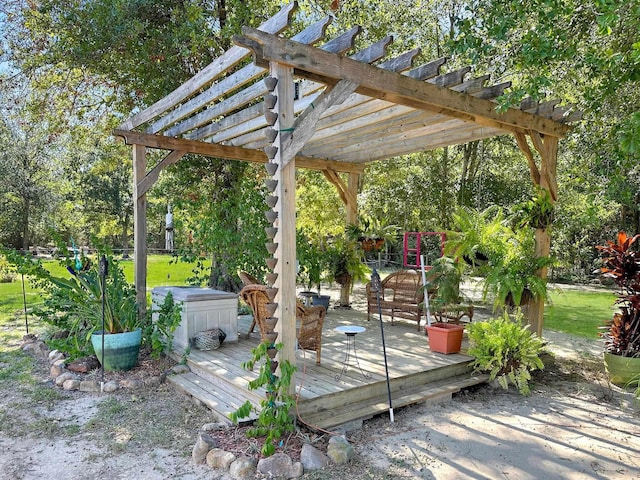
{"points": [[544, 178], [140, 228], [285, 237]]}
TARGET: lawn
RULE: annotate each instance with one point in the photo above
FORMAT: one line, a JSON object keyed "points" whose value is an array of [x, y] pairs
{"points": [[160, 272], [578, 312]]}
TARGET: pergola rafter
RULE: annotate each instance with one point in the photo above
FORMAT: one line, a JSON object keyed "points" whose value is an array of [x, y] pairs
{"points": [[297, 105]]}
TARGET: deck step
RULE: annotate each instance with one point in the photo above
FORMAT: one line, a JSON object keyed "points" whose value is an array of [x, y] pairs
{"points": [[214, 396], [436, 391]]}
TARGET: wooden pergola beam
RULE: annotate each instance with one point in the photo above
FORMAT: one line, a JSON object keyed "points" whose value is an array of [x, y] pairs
{"points": [[226, 151], [390, 86]]}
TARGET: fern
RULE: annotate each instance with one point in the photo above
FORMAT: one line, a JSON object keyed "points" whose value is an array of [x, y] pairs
{"points": [[507, 350]]}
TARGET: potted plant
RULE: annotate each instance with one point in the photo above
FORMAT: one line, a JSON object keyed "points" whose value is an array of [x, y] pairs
{"points": [[370, 234], [621, 263], [503, 255], [345, 266], [312, 258], [81, 297]]}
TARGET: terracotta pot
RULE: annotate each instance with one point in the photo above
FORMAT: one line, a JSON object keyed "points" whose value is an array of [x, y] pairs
{"points": [[445, 338]]}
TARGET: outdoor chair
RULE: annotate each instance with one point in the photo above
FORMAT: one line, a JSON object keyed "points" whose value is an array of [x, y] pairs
{"points": [[247, 278], [311, 319], [309, 333]]}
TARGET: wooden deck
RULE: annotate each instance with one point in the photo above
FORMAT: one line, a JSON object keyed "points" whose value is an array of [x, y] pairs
{"points": [[417, 375]]}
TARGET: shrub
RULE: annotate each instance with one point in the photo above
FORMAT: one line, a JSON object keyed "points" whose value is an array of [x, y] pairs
{"points": [[506, 349]]}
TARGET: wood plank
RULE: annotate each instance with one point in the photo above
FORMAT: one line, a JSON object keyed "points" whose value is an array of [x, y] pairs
{"points": [[255, 138], [392, 86], [230, 58], [309, 35], [152, 175], [140, 229], [286, 222], [223, 404], [375, 115], [378, 405], [224, 151], [338, 46], [419, 144], [305, 125], [244, 122]]}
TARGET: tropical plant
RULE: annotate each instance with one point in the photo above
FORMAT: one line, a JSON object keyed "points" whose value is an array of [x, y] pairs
{"points": [[445, 276], [371, 233], [503, 255], [506, 349], [621, 263], [312, 256], [274, 417], [345, 265]]}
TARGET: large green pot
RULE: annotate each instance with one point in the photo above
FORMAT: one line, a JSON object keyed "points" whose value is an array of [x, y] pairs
{"points": [[120, 349], [622, 370]]}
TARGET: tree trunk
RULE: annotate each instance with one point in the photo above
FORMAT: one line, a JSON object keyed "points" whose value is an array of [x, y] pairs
{"points": [[25, 225]]}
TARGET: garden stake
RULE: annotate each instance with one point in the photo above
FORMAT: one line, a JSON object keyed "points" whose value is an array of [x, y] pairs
{"points": [[24, 302], [426, 290], [375, 284], [103, 267]]}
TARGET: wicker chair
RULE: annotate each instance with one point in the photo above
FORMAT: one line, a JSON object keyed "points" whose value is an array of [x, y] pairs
{"points": [[256, 297], [247, 278], [311, 319], [309, 333]]}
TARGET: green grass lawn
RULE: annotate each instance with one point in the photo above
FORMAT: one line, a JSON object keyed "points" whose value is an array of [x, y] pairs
{"points": [[160, 272], [579, 312]]}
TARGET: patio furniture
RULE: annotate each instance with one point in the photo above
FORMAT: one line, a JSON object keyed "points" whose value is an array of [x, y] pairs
{"points": [[311, 319], [247, 278], [401, 295], [309, 333], [256, 297]]}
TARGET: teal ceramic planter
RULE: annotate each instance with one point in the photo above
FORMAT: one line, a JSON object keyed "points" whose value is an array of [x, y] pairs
{"points": [[120, 349], [622, 370]]}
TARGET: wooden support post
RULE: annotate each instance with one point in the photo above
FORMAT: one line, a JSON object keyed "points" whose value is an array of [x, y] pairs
{"points": [[286, 208], [545, 178], [352, 198], [140, 229]]}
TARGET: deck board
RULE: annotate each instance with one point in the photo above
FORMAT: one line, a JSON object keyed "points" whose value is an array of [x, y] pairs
{"points": [[412, 367]]}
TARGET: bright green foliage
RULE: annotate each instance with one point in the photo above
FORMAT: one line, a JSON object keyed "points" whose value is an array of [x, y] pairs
{"points": [[275, 417], [504, 256], [507, 350]]}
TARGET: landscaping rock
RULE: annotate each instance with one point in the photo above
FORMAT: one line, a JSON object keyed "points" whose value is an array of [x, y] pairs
{"points": [[110, 387], [243, 468], [63, 377], [57, 369], [340, 450], [89, 386], [52, 355], [71, 384], [280, 465], [201, 448], [213, 427], [84, 365], [38, 348], [312, 458], [220, 459], [132, 384]]}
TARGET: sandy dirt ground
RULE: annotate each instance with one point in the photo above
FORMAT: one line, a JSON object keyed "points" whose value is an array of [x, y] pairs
{"points": [[573, 426]]}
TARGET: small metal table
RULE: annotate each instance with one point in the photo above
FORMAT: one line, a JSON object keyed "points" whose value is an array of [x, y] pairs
{"points": [[350, 331]]}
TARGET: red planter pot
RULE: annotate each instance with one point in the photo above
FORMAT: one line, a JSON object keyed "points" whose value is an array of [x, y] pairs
{"points": [[445, 337]]}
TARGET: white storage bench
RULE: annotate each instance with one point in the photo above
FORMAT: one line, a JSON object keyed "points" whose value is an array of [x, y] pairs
{"points": [[202, 309]]}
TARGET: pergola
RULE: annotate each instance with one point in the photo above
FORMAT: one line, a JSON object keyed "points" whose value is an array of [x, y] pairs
{"points": [[288, 103]]}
